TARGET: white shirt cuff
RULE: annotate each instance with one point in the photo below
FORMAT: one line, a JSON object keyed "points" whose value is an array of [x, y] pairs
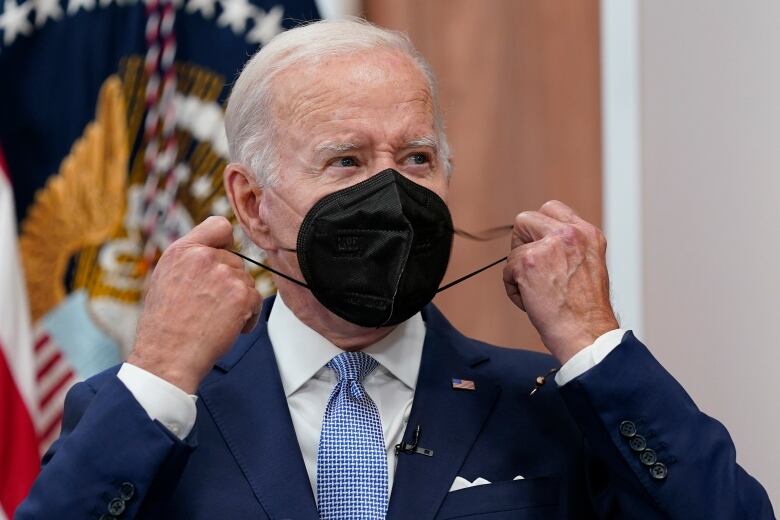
{"points": [[163, 401], [590, 356]]}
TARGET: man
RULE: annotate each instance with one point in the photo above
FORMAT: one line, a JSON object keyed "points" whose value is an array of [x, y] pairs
{"points": [[340, 172]]}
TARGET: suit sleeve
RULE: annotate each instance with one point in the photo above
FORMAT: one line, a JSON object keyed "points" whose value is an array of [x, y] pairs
{"points": [[107, 458], [652, 452]]}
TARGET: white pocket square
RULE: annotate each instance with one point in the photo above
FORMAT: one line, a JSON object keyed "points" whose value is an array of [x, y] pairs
{"points": [[462, 483]]}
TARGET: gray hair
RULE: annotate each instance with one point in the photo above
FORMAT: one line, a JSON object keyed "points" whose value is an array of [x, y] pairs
{"points": [[249, 120]]}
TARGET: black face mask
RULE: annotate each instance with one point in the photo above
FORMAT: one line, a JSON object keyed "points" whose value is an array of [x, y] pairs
{"points": [[375, 253]]}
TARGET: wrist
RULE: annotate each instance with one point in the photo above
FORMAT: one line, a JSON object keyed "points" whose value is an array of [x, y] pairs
{"points": [[175, 372], [565, 345]]}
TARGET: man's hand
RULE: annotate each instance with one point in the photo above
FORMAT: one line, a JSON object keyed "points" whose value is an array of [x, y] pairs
{"points": [[200, 298], [557, 273]]}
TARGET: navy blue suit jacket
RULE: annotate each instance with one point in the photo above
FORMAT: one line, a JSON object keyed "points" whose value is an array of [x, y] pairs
{"points": [[242, 459]]}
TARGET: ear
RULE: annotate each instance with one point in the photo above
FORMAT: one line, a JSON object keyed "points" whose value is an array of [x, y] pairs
{"points": [[246, 197]]}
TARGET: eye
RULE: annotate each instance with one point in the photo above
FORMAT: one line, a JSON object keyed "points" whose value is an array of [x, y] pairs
{"points": [[419, 158], [345, 162]]}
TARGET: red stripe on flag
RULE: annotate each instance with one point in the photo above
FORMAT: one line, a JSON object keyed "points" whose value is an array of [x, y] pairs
{"points": [[56, 389], [19, 464], [56, 358], [53, 424], [42, 341]]}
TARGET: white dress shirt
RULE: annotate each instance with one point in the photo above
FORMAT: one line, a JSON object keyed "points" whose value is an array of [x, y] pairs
{"points": [[301, 355]]}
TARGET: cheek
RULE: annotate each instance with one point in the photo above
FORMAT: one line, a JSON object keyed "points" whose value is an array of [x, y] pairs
{"points": [[278, 218], [285, 209], [442, 189]]}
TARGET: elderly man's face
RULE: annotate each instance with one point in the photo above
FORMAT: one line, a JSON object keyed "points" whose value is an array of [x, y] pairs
{"points": [[342, 121]]}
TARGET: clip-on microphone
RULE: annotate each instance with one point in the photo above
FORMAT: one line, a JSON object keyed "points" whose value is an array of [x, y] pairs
{"points": [[413, 447]]}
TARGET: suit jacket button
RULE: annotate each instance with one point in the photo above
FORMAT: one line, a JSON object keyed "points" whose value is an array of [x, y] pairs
{"points": [[637, 443], [116, 507], [627, 429], [659, 471], [126, 491], [648, 457]]}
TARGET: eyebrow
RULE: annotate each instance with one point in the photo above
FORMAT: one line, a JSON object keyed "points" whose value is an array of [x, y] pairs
{"points": [[335, 147], [425, 141]]}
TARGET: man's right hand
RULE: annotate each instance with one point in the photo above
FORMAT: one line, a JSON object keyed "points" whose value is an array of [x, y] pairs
{"points": [[199, 299]]}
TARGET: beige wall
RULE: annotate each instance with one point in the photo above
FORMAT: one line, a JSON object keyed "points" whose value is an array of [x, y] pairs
{"points": [[692, 184], [710, 155], [520, 89]]}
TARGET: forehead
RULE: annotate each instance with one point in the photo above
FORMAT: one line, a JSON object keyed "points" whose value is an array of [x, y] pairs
{"points": [[365, 84]]}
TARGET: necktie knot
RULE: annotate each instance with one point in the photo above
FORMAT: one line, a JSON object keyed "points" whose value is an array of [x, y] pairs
{"points": [[352, 366]]}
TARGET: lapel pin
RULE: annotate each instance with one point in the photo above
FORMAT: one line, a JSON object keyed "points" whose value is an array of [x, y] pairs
{"points": [[463, 384], [541, 380]]}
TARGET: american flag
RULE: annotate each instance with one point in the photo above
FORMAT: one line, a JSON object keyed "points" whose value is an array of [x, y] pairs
{"points": [[463, 384], [122, 157]]}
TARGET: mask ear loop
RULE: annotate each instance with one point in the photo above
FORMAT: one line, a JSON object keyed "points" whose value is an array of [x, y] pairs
{"points": [[462, 278], [271, 269], [481, 236], [484, 235]]}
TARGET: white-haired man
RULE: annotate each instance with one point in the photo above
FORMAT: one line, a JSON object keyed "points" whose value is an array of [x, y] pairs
{"points": [[353, 398]]}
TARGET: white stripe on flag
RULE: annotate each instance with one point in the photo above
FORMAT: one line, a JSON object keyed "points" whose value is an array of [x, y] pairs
{"points": [[17, 365], [15, 331]]}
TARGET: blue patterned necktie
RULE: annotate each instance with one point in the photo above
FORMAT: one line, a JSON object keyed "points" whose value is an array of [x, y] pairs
{"points": [[351, 460]]}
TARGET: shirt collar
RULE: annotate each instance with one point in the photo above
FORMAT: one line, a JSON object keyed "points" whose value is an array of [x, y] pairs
{"points": [[301, 351]]}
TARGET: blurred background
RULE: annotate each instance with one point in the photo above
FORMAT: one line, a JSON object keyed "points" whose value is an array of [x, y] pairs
{"points": [[659, 121]]}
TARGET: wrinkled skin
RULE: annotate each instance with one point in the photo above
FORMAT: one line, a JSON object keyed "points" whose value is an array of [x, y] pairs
{"points": [[340, 121]]}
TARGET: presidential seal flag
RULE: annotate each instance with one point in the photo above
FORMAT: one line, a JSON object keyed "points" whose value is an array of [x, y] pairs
{"points": [[112, 128]]}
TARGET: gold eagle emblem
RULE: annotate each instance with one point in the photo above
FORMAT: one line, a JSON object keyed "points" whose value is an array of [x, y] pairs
{"points": [[81, 206]]}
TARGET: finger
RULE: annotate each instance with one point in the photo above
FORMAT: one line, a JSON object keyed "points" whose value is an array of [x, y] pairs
{"points": [[251, 323], [530, 226], [257, 305], [226, 257], [559, 211], [511, 287], [213, 232], [242, 276]]}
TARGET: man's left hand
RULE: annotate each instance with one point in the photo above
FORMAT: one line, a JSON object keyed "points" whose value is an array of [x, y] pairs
{"points": [[557, 273]]}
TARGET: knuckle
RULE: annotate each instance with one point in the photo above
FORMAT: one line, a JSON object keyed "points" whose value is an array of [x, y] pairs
{"points": [[600, 239], [569, 234], [222, 270], [594, 235], [200, 256], [529, 259], [510, 269], [234, 261], [507, 271], [237, 287]]}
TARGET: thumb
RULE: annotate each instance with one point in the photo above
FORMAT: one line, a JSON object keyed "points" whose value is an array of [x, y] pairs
{"points": [[213, 232]]}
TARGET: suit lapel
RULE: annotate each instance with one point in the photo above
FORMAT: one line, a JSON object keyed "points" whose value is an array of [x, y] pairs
{"points": [[245, 397], [449, 419]]}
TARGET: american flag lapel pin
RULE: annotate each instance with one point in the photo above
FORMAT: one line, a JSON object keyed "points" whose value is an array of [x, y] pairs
{"points": [[463, 384]]}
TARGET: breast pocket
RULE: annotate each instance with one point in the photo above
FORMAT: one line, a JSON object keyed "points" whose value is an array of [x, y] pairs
{"points": [[523, 499]]}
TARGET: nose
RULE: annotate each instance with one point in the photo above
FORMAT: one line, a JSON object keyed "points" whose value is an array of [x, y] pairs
{"points": [[384, 162]]}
